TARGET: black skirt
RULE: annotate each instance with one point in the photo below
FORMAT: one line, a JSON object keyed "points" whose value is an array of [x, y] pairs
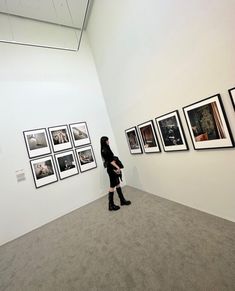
{"points": [[113, 177]]}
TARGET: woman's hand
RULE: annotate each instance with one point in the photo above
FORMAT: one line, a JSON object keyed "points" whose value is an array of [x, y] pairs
{"points": [[117, 171]]}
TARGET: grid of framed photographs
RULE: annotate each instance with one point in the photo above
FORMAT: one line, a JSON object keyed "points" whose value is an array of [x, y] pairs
{"points": [[207, 124], [64, 149]]}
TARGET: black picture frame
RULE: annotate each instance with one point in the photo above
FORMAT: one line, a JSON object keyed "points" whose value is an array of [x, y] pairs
{"points": [[171, 132], [232, 96], [44, 171], [86, 158], [80, 134], [37, 142], [60, 138], [66, 164], [148, 137], [208, 124], [133, 140]]}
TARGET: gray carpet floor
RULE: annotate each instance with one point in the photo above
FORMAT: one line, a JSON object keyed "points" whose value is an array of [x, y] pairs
{"points": [[154, 244]]}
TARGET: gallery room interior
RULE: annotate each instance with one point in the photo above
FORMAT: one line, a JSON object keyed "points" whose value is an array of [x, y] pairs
{"points": [[157, 78]]}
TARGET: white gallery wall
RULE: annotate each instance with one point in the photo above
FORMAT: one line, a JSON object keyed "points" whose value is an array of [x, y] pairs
{"points": [[152, 58], [41, 88]]}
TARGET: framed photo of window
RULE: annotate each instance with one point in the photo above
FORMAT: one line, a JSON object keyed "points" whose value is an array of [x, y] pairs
{"points": [[171, 132], [80, 134], [133, 140], [66, 164], [44, 172], [208, 125], [60, 138], [86, 158], [232, 96], [148, 137], [37, 143]]}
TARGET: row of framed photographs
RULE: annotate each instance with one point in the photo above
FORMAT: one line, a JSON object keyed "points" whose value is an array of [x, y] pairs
{"points": [[67, 165], [207, 124], [37, 142]]}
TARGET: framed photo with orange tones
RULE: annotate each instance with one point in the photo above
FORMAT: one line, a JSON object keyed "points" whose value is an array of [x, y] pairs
{"points": [[208, 125], [148, 137]]}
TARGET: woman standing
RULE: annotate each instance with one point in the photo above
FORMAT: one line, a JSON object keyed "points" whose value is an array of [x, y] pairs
{"points": [[114, 174]]}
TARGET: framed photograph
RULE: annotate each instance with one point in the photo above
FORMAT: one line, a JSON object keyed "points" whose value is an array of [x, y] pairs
{"points": [[37, 143], [148, 137], [232, 96], [80, 134], [60, 138], [133, 141], [66, 164], [208, 125], [171, 132], [86, 158], [43, 171]]}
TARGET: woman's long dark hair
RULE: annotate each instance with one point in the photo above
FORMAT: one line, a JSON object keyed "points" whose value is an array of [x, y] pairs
{"points": [[103, 145]]}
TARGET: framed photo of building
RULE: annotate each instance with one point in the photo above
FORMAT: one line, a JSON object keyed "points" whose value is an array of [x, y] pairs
{"points": [[133, 140], [60, 138], [44, 172], [80, 134], [171, 132], [232, 96], [148, 137], [208, 125], [37, 143], [66, 164], [86, 158]]}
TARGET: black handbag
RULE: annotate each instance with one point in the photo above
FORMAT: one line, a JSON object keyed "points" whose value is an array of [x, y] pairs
{"points": [[118, 162]]}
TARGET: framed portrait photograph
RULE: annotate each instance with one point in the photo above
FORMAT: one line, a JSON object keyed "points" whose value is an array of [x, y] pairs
{"points": [[148, 137], [232, 96], [133, 140], [171, 132], [44, 172], [66, 164], [208, 125], [86, 158], [37, 143], [60, 138], [80, 134]]}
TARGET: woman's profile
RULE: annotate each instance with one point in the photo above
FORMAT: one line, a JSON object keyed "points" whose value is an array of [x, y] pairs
{"points": [[114, 173]]}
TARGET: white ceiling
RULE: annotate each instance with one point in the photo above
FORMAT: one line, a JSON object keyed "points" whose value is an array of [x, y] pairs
{"points": [[63, 12]]}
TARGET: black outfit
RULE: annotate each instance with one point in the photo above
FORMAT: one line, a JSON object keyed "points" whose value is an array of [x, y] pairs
{"points": [[108, 157], [114, 178]]}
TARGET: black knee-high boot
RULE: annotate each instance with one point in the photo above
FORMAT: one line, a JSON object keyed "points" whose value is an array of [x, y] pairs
{"points": [[112, 206], [121, 197]]}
